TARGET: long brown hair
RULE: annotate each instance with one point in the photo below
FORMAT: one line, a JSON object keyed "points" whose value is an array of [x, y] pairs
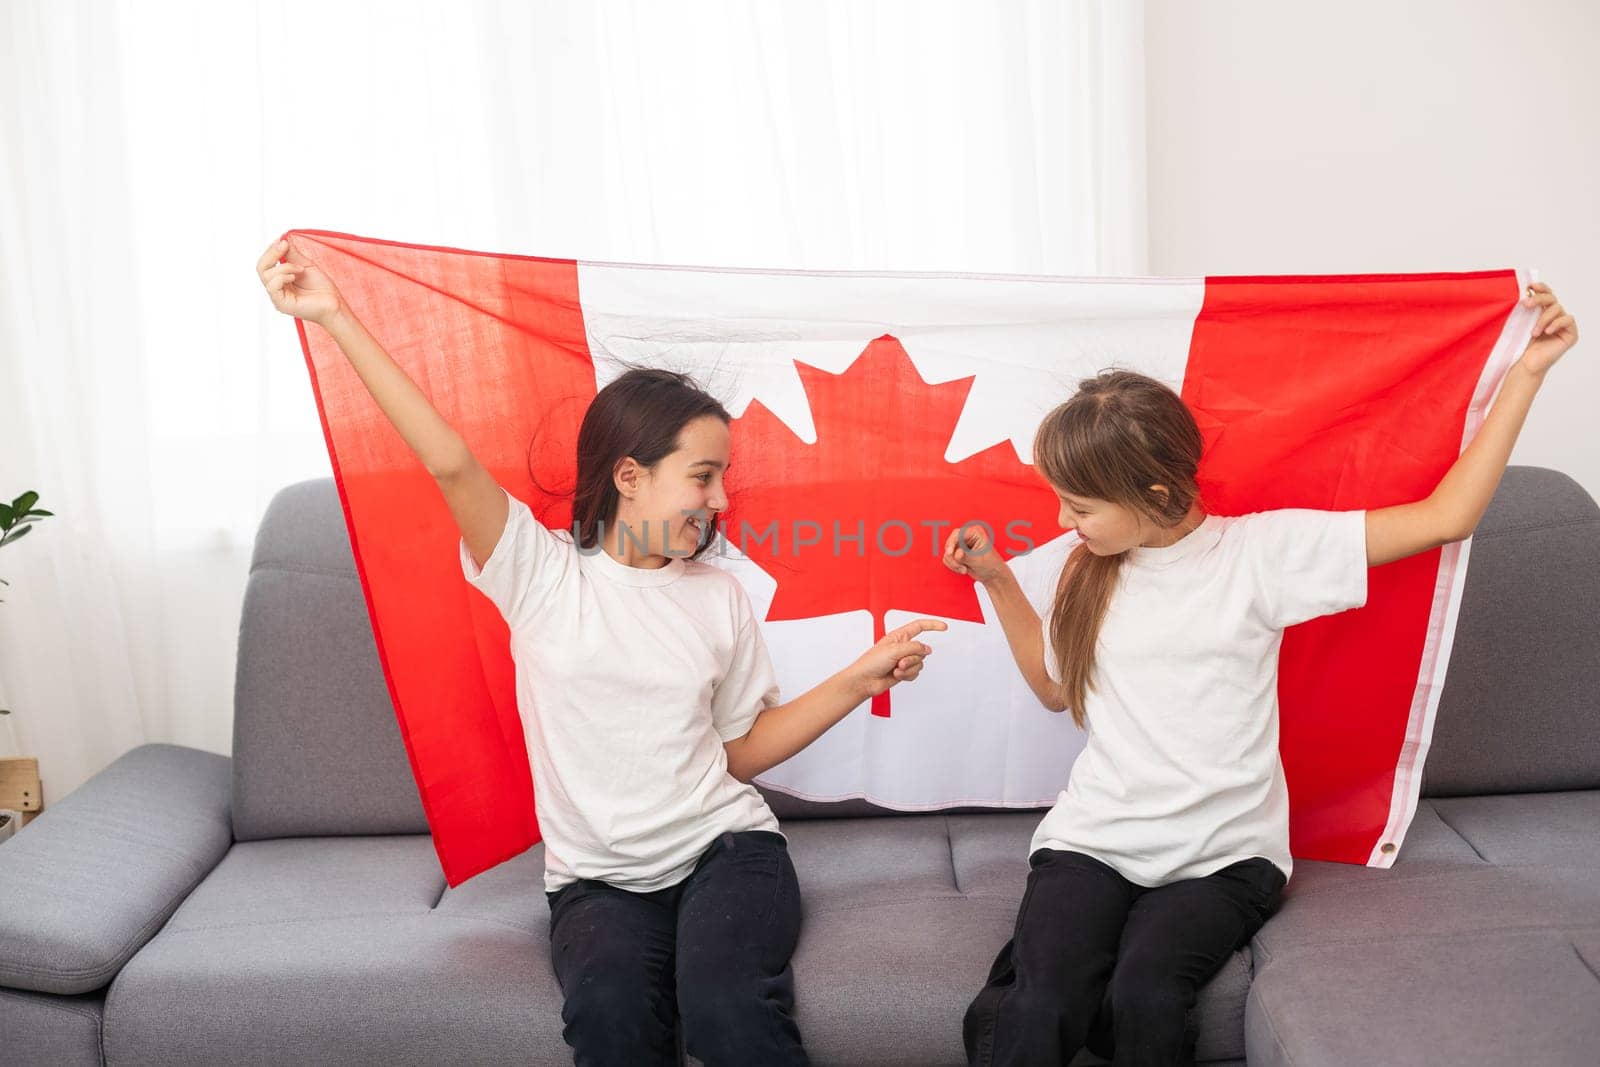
{"points": [[1120, 434]]}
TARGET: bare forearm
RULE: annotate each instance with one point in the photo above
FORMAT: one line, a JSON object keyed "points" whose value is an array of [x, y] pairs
{"points": [[1464, 493], [1022, 627], [433, 440], [781, 731]]}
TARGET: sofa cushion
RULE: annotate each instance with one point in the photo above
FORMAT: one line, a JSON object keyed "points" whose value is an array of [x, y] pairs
{"points": [[849, 863], [45, 1030], [351, 948], [316, 743], [1459, 902], [340, 950], [1556, 829], [1468, 865], [94, 876], [989, 853], [903, 917], [1500, 997], [1518, 707], [1477, 946], [305, 879], [391, 989]]}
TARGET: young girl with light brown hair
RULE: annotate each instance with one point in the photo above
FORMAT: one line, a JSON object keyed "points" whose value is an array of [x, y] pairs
{"points": [[1170, 845]]}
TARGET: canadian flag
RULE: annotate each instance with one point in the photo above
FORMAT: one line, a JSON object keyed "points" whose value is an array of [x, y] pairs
{"points": [[873, 413]]}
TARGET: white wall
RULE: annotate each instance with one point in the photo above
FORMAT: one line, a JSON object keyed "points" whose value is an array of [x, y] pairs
{"points": [[1367, 137]]}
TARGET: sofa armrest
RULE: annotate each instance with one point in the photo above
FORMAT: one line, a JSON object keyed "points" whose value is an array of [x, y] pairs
{"points": [[93, 877]]}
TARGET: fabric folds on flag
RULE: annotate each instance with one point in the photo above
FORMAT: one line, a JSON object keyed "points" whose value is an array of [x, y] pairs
{"points": [[872, 413]]}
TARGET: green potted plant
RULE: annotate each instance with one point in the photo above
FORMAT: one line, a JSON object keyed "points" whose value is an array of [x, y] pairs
{"points": [[20, 775], [16, 521]]}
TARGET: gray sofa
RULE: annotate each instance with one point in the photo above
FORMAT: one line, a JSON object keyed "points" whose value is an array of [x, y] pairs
{"points": [[286, 906]]}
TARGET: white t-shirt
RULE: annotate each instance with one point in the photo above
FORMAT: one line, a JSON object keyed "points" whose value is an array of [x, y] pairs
{"points": [[1180, 775], [628, 682]]}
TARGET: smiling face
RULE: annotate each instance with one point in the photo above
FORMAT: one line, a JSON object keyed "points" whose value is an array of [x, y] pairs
{"points": [[1107, 528], [667, 509]]}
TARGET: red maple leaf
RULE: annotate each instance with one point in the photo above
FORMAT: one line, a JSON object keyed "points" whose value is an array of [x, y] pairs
{"points": [[859, 519]]}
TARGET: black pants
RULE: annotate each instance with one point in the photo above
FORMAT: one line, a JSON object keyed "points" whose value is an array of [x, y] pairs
{"points": [[712, 950], [1099, 961]]}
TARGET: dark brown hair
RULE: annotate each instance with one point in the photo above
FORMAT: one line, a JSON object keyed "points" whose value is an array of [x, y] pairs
{"points": [[1118, 436], [639, 414]]}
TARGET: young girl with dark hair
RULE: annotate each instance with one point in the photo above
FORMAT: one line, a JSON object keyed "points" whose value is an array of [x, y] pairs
{"points": [[649, 703]]}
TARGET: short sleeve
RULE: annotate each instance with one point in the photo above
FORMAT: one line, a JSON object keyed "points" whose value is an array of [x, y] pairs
{"points": [[750, 684], [1308, 563], [527, 563]]}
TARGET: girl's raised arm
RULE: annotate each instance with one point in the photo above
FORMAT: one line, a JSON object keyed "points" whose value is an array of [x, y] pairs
{"points": [[1451, 512], [476, 501]]}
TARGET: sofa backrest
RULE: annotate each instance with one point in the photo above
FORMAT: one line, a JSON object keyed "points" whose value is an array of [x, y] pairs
{"points": [[316, 744], [1520, 709], [317, 748]]}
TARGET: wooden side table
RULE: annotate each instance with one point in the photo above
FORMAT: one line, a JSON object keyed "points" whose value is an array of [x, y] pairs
{"points": [[20, 788]]}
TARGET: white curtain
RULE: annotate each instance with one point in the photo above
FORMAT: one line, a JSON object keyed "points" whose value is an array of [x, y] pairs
{"points": [[149, 151]]}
